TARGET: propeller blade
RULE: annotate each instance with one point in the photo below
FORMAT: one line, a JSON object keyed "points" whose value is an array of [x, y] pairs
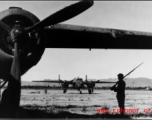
{"points": [[15, 69], [62, 15], [71, 81], [5, 27], [97, 81], [16, 73]]}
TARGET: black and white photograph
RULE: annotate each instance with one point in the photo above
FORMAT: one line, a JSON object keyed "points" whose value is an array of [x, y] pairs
{"points": [[76, 59]]}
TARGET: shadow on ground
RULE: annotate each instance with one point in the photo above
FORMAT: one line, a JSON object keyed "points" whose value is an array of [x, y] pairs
{"points": [[29, 113]]}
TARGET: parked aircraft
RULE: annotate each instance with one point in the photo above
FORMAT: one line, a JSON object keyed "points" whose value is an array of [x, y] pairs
{"points": [[23, 41], [77, 83]]}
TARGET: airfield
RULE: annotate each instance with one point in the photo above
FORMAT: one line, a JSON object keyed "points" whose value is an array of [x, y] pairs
{"points": [[90, 102], [55, 101], [84, 105]]}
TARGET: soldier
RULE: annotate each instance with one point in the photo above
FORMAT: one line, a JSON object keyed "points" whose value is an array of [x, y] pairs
{"points": [[119, 87]]}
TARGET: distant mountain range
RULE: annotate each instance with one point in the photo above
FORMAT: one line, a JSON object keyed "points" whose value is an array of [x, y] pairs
{"points": [[133, 82], [130, 82]]}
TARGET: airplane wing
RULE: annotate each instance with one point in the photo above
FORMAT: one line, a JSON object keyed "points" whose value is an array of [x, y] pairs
{"points": [[55, 81], [105, 82], [74, 36], [97, 81], [51, 81]]}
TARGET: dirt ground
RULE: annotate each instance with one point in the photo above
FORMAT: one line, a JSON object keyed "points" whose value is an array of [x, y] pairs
{"points": [[72, 101]]}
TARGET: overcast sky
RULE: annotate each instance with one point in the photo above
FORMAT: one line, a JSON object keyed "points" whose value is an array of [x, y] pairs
{"points": [[128, 15]]}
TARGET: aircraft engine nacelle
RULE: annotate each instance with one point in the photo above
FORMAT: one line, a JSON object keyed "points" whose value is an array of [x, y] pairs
{"points": [[93, 84], [65, 84], [90, 84], [31, 45]]}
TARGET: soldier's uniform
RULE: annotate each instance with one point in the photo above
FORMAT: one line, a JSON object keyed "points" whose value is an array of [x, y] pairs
{"points": [[120, 89]]}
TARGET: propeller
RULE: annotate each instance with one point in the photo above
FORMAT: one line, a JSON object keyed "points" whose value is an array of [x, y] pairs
{"points": [[16, 73], [71, 81], [62, 15], [14, 85], [5, 27], [15, 34], [15, 68]]}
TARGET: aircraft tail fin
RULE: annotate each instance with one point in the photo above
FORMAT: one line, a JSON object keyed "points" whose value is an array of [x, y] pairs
{"points": [[60, 81], [86, 78], [59, 77]]}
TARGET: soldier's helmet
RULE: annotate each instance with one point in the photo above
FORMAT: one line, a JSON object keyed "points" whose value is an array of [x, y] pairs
{"points": [[120, 75]]}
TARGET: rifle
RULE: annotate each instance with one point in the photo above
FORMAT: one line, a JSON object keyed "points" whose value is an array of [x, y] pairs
{"points": [[133, 70], [113, 87]]}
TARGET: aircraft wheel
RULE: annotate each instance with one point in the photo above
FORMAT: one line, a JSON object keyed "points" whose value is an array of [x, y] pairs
{"points": [[89, 90], [80, 92], [64, 91]]}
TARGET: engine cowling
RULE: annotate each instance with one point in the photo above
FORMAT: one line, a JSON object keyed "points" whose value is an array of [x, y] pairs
{"points": [[31, 45]]}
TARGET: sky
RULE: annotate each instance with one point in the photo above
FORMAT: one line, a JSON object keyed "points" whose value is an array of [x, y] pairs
{"points": [[97, 63]]}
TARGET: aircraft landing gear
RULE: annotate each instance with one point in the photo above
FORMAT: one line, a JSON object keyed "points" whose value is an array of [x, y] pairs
{"points": [[89, 90], [80, 92], [64, 91]]}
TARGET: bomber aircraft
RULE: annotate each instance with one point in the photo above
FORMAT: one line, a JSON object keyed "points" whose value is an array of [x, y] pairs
{"points": [[23, 41], [77, 83]]}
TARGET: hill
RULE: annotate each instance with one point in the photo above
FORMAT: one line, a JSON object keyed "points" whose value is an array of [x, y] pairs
{"points": [[130, 82]]}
